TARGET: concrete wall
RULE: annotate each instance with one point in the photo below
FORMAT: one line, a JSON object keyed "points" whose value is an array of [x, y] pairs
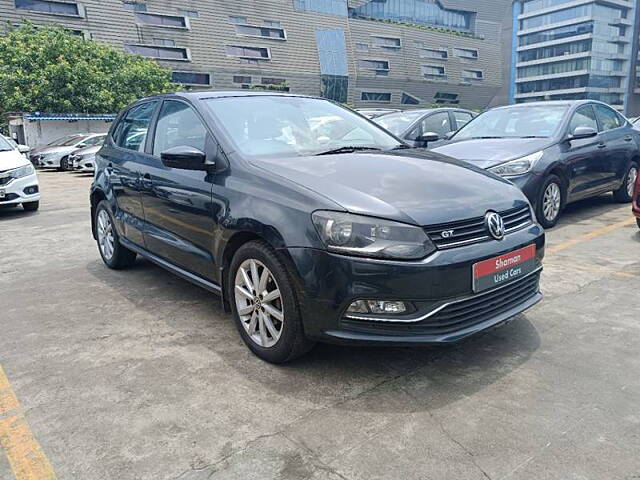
{"points": [[39, 133]]}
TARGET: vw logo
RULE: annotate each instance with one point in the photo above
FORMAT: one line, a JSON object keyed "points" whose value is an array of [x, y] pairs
{"points": [[495, 225]]}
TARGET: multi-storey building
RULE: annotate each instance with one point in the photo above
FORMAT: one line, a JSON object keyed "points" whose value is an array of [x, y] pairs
{"points": [[575, 49], [362, 52]]}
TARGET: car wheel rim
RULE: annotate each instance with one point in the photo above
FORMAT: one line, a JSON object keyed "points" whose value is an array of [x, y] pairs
{"points": [[551, 202], [105, 234], [259, 303], [631, 180]]}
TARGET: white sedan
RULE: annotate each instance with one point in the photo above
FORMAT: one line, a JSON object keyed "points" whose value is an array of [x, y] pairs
{"points": [[18, 178]]}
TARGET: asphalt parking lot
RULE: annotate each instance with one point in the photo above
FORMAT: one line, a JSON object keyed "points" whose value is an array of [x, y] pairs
{"points": [[140, 375]]}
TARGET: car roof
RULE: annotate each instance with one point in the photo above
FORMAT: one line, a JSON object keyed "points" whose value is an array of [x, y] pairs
{"points": [[208, 94], [542, 103]]}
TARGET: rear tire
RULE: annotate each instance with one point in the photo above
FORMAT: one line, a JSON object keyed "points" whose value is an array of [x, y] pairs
{"points": [[625, 193], [31, 206], [550, 201], [114, 255], [272, 329]]}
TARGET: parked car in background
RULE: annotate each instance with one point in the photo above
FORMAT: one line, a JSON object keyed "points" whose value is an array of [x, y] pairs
{"points": [[51, 155], [347, 236], [18, 178], [83, 160], [557, 152], [375, 112], [425, 127], [636, 201]]}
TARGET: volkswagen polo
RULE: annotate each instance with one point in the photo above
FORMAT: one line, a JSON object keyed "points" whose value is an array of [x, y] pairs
{"points": [[312, 222]]}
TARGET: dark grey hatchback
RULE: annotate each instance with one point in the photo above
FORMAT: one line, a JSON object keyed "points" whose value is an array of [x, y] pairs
{"points": [[313, 223]]}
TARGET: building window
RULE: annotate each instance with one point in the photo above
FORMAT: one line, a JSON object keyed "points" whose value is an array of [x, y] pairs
{"points": [[331, 7], [53, 7], [472, 75], [380, 67], [380, 97], [271, 23], [431, 53], [252, 53], [135, 6], [437, 72], [466, 53], [262, 32], [162, 53], [241, 79], [409, 99], [238, 20], [557, 33], [446, 98], [362, 47], [161, 20], [189, 13], [164, 42], [334, 87], [387, 42], [191, 78], [334, 71], [559, 67]]}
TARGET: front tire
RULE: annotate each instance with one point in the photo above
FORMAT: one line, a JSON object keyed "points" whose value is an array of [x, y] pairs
{"points": [[625, 193], [550, 201], [31, 206], [264, 304], [114, 255]]}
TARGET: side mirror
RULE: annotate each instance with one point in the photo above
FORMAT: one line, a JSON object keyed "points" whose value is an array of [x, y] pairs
{"points": [[428, 137], [583, 132], [185, 158], [23, 148]]}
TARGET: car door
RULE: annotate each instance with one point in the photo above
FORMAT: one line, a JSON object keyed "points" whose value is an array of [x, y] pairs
{"points": [[178, 203], [584, 157], [123, 154], [620, 147]]}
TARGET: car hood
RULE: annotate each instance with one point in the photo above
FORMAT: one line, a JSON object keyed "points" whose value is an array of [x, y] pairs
{"points": [[51, 150], [12, 159], [412, 186], [487, 153], [87, 150]]}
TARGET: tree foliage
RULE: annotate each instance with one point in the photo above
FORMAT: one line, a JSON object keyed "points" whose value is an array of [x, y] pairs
{"points": [[50, 69]]}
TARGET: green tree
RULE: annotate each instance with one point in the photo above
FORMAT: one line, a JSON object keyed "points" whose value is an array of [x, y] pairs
{"points": [[50, 69]]}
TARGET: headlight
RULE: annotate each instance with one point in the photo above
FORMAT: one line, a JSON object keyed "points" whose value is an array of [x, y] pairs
{"points": [[23, 171], [517, 166], [371, 237]]}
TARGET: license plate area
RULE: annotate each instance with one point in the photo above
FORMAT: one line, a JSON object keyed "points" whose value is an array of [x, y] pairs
{"points": [[503, 269]]}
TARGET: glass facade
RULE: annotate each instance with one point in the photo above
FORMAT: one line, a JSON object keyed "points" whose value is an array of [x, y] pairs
{"points": [[332, 53], [331, 7], [425, 12], [603, 52]]}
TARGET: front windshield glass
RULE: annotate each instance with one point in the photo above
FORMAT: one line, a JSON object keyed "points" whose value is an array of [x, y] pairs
{"points": [[5, 146], [397, 123], [66, 140], [515, 122], [268, 126]]}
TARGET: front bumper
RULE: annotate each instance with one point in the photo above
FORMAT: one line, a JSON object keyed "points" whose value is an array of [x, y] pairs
{"points": [[439, 287], [16, 191], [530, 184]]}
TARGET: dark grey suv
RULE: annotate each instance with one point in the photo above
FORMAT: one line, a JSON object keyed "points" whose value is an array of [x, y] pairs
{"points": [[312, 222]]}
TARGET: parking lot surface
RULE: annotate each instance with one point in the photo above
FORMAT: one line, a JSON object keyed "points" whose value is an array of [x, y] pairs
{"points": [[139, 375]]}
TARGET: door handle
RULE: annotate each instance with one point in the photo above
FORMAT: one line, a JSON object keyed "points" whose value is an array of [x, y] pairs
{"points": [[601, 145], [628, 138]]}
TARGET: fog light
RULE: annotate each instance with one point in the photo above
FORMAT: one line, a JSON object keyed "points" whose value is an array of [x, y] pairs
{"points": [[30, 190], [377, 306]]}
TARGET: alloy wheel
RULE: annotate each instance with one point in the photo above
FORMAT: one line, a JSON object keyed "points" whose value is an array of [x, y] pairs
{"points": [[259, 303], [551, 202], [631, 180], [106, 239]]}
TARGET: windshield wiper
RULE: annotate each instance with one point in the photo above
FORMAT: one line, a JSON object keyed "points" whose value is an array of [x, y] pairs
{"points": [[401, 147], [533, 136], [346, 149], [486, 137]]}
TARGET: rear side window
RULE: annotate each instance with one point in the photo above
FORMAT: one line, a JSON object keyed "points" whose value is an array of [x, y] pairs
{"points": [[583, 117], [178, 126], [131, 133], [462, 118], [609, 119], [437, 123]]}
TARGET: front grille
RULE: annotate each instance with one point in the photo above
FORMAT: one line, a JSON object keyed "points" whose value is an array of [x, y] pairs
{"points": [[467, 232], [8, 197], [459, 315]]}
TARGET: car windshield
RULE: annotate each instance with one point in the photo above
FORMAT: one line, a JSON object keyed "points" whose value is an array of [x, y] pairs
{"points": [[5, 146], [269, 126], [397, 123], [515, 122]]}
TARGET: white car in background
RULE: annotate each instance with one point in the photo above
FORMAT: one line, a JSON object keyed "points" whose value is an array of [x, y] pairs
{"points": [[84, 160], [18, 178], [50, 155]]}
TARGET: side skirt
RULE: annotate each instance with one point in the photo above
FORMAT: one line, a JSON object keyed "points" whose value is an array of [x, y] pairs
{"points": [[190, 277]]}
